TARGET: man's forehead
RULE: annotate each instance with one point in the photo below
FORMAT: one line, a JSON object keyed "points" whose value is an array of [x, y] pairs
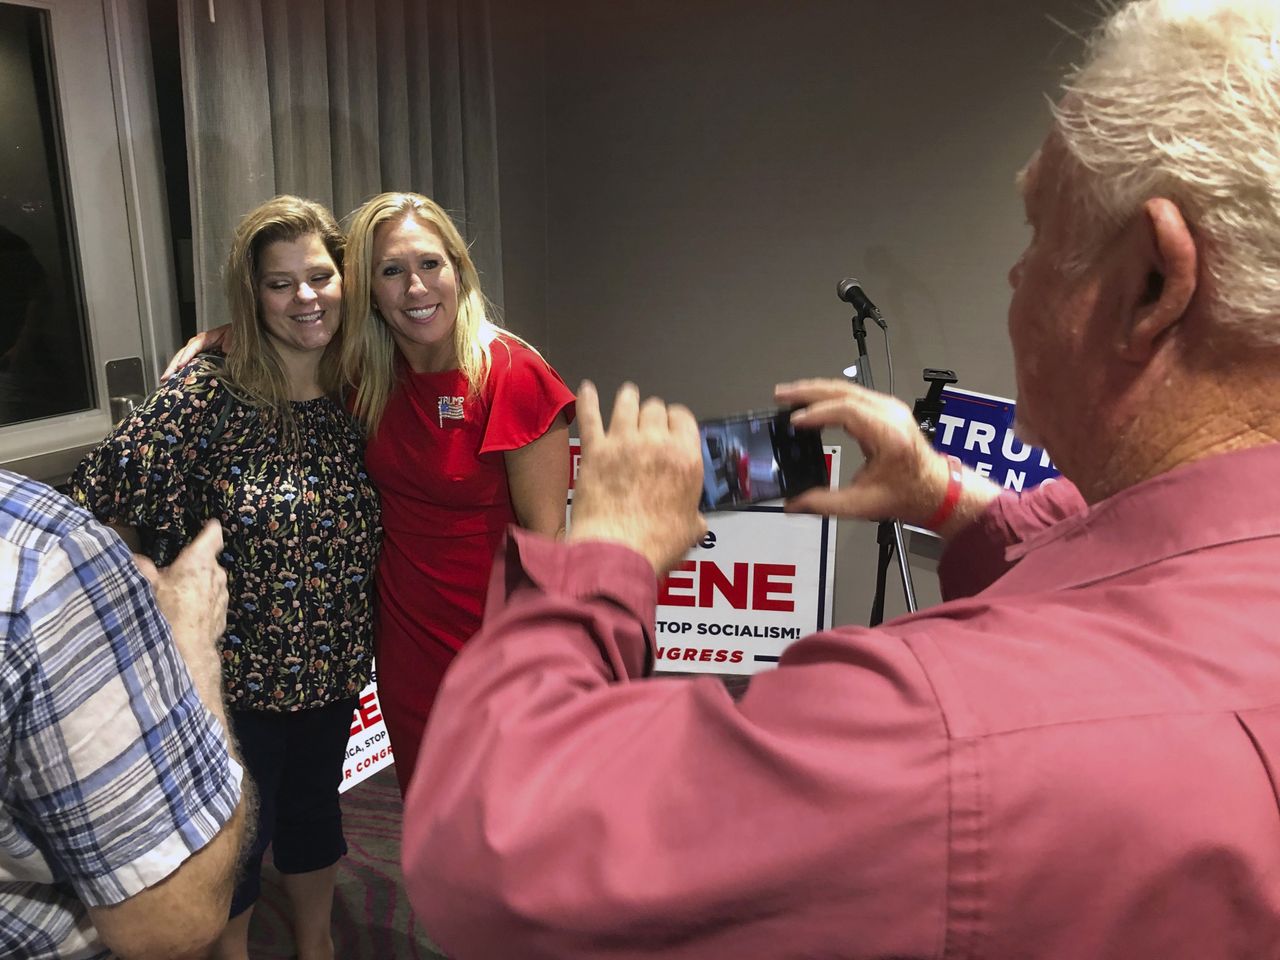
{"points": [[1044, 173]]}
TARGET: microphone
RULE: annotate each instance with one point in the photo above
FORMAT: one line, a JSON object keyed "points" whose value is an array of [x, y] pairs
{"points": [[850, 291]]}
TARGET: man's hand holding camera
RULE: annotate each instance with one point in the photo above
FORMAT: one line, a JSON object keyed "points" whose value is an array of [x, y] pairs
{"points": [[192, 594], [901, 477], [640, 480]]}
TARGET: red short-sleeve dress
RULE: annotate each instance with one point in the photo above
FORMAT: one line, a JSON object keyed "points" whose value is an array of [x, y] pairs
{"points": [[437, 462]]}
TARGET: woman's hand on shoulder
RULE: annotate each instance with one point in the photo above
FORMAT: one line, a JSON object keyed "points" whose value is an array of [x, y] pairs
{"points": [[217, 338]]}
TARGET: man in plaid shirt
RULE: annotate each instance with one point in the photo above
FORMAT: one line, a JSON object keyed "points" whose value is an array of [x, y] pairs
{"points": [[121, 814]]}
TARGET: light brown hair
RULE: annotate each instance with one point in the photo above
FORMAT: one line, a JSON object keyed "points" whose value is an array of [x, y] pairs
{"points": [[253, 369]]}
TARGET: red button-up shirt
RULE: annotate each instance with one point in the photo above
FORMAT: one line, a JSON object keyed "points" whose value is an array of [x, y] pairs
{"points": [[1075, 758]]}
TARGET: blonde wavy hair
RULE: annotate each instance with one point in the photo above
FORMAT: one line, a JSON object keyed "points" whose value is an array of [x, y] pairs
{"points": [[252, 369], [1181, 99], [369, 352]]}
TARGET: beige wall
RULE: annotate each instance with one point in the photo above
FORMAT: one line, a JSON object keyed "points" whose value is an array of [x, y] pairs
{"points": [[706, 170]]}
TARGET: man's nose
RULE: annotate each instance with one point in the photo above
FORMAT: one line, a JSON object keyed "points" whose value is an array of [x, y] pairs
{"points": [[1015, 273]]}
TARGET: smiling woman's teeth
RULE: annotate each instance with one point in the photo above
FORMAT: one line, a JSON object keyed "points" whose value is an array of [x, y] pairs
{"points": [[308, 317], [422, 314]]}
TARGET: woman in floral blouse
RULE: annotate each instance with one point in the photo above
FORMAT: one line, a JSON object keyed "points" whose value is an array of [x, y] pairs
{"points": [[260, 440]]}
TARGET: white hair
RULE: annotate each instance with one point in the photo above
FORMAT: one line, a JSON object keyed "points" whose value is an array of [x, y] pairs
{"points": [[1181, 99]]}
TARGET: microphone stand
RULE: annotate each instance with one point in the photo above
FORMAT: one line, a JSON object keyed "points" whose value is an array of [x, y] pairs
{"points": [[888, 532]]}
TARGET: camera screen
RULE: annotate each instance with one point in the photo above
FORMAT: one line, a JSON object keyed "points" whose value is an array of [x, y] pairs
{"points": [[739, 464]]}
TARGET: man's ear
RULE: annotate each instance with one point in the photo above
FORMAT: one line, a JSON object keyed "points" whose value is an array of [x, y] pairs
{"points": [[1170, 285]]}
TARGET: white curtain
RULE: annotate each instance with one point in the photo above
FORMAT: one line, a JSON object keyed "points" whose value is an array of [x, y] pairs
{"points": [[337, 100]]}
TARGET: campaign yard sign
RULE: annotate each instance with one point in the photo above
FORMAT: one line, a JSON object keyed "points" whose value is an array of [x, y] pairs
{"points": [[368, 747], [757, 581], [978, 429]]}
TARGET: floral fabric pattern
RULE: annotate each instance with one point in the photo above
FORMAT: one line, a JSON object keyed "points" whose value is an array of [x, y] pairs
{"points": [[301, 528]]}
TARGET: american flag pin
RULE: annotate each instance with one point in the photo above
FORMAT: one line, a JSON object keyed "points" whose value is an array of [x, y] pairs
{"points": [[449, 408]]}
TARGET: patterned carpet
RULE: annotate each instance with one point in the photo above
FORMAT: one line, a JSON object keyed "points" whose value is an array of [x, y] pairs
{"points": [[371, 915]]}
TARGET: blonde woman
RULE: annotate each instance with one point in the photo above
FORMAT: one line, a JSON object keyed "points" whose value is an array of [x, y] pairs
{"points": [[260, 440], [468, 432]]}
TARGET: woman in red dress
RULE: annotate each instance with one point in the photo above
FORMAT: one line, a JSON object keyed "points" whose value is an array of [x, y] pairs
{"points": [[468, 432]]}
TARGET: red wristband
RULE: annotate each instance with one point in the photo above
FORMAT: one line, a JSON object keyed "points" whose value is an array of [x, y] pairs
{"points": [[955, 483]]}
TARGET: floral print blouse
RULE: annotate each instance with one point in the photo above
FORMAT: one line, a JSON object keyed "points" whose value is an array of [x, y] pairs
{"points": [[301, 528]]}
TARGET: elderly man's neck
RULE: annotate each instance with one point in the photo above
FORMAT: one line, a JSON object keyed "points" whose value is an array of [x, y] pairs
{"points": [[1212, 412]]}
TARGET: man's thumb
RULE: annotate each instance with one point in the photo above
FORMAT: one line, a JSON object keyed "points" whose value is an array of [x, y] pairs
{"points": [[208, 541]]}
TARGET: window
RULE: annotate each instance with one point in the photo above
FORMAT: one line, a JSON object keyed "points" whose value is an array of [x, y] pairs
{"points": [[44, 352], [88, 300]]}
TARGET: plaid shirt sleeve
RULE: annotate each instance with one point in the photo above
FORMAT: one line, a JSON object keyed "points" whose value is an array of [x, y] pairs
{"points": [[117, 771]]}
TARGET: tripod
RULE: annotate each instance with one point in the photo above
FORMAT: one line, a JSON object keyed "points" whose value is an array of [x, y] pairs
{"points": [[927, 409], [888, 532]]}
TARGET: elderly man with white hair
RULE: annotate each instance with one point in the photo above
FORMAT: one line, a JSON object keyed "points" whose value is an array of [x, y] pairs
{"points": [[1077, 755]]}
